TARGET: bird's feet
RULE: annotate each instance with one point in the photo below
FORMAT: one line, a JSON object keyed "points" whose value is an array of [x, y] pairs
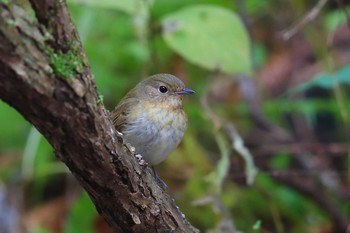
{"points": [[160, 182], [140, 159]]}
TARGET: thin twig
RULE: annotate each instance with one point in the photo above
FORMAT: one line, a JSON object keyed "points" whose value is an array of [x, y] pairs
{"points": [[311, 15]]}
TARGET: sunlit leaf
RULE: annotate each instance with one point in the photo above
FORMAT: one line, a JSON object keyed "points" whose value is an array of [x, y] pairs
{"points": [[257, 225], [336, 18], [209, 36]]}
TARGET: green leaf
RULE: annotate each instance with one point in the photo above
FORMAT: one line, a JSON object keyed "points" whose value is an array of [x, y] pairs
{"points": [[343, 75], [209, 36], [336, 18], [325, 80], [257, 225]]}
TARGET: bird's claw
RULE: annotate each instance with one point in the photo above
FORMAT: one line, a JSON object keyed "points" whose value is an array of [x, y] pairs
{"points": [[140, 159], [160, 182]]}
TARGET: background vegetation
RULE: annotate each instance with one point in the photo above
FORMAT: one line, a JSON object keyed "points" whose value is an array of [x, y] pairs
{"points": [[267, 149]]}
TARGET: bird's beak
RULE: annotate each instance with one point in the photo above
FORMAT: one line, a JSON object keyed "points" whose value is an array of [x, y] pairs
{"points": [[185, 91]]}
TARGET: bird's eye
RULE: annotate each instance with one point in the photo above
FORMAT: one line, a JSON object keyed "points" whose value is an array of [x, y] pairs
{"points": [[163, 89]]}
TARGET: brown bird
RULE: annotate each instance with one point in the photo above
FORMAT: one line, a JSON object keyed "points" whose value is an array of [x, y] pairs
{"points": [[151, 117]]}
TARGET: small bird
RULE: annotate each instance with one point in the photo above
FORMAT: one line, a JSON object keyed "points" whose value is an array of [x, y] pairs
{"points": [[151, 117]]}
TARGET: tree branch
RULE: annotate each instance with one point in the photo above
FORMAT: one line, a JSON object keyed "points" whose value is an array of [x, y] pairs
{"points": [[45, 77]]}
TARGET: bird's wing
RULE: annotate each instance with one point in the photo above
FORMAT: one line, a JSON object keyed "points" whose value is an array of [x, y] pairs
{"points": [[121, 111]]}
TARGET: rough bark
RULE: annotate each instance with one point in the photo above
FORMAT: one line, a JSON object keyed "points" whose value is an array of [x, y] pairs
{"points": [[44, 75]]}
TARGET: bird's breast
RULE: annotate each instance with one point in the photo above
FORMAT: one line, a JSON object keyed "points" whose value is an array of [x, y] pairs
{"points": [[155, 130]]}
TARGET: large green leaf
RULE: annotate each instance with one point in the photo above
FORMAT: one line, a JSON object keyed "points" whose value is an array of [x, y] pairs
{"points": [[209, 36]]}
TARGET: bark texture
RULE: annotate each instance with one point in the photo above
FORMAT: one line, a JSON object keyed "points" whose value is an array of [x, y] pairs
{"points": [[45, 76]]}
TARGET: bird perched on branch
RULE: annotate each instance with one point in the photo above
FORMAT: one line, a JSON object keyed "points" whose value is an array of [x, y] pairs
{"points": [[151, 117]]}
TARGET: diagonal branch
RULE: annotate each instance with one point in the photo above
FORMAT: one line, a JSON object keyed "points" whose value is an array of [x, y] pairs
{"points": [[45, 77]]}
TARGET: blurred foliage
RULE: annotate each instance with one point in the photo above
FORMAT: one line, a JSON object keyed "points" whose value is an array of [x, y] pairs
{"points": [[222, 43], [81, 216], [210, 44]]}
